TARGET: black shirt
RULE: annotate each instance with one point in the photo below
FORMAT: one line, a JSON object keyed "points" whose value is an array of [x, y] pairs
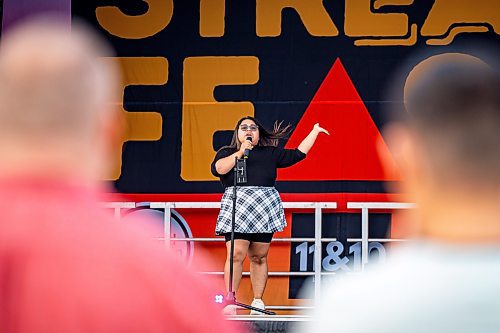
{"points": [[261, 164]]}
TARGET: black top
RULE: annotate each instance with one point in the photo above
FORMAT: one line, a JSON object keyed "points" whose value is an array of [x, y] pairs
{"points": [[261, 164]]}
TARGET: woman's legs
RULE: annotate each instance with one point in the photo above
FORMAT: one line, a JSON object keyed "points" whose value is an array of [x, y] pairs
{"points": [[240, 252], [257, 252]]}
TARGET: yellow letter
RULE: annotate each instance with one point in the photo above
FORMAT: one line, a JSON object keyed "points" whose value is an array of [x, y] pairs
{"points": [[140, 126], [202, 115], [212, 14], [136, 27], [381, 3], [445, 13], [361, 21], [312, 13]]}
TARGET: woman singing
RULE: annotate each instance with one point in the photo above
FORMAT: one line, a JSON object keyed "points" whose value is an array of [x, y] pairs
{"points": [[259, 210]]}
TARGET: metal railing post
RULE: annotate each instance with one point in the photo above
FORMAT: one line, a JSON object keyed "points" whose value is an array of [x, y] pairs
{"points": [[364, 237], [317, 252]]}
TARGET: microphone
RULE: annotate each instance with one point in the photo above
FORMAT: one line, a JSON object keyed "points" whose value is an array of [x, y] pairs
{"points": [[247, 151]]}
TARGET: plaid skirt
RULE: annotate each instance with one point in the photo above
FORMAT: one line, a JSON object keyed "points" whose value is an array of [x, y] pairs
{"points": [[258, 209]]}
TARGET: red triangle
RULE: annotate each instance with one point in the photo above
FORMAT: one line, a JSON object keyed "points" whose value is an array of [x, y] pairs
{"points": [[349, 153]]}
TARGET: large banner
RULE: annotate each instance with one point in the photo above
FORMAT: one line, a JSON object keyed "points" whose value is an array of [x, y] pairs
{"points": [[192, 68]]}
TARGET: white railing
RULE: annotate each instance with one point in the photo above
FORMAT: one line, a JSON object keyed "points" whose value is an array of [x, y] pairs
{"points": [[118, 206], [365, 207], [318, 207]]}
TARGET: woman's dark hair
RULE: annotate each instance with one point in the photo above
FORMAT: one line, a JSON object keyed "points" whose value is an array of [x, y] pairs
{"points": [[266, 138]]}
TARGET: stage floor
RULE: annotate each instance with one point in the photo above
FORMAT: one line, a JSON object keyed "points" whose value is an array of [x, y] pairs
{"points": [[271, 324]]}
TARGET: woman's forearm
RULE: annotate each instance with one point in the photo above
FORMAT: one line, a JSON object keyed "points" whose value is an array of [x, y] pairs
{"points": [[309, 140], [226, 164]]}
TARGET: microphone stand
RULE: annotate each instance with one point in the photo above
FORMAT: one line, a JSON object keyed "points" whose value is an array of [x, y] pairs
{"points": [[240, 177]]}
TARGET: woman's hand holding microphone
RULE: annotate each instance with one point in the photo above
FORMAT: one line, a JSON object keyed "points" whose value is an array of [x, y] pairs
{"points": [[247, 144]]}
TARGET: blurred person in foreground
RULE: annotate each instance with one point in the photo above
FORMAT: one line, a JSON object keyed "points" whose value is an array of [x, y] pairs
{"points": [[66, 265], [447, 147]]}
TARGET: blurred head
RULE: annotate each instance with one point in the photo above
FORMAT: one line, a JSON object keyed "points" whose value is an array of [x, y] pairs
{"points": [[447, 144], [452, 126], [55, 116]]}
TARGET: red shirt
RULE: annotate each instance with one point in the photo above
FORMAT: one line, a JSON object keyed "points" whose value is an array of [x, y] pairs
{"points": [[68, 266]]}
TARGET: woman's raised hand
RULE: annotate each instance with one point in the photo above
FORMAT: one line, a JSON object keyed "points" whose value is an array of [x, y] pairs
{"points": [[320, 129]]}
